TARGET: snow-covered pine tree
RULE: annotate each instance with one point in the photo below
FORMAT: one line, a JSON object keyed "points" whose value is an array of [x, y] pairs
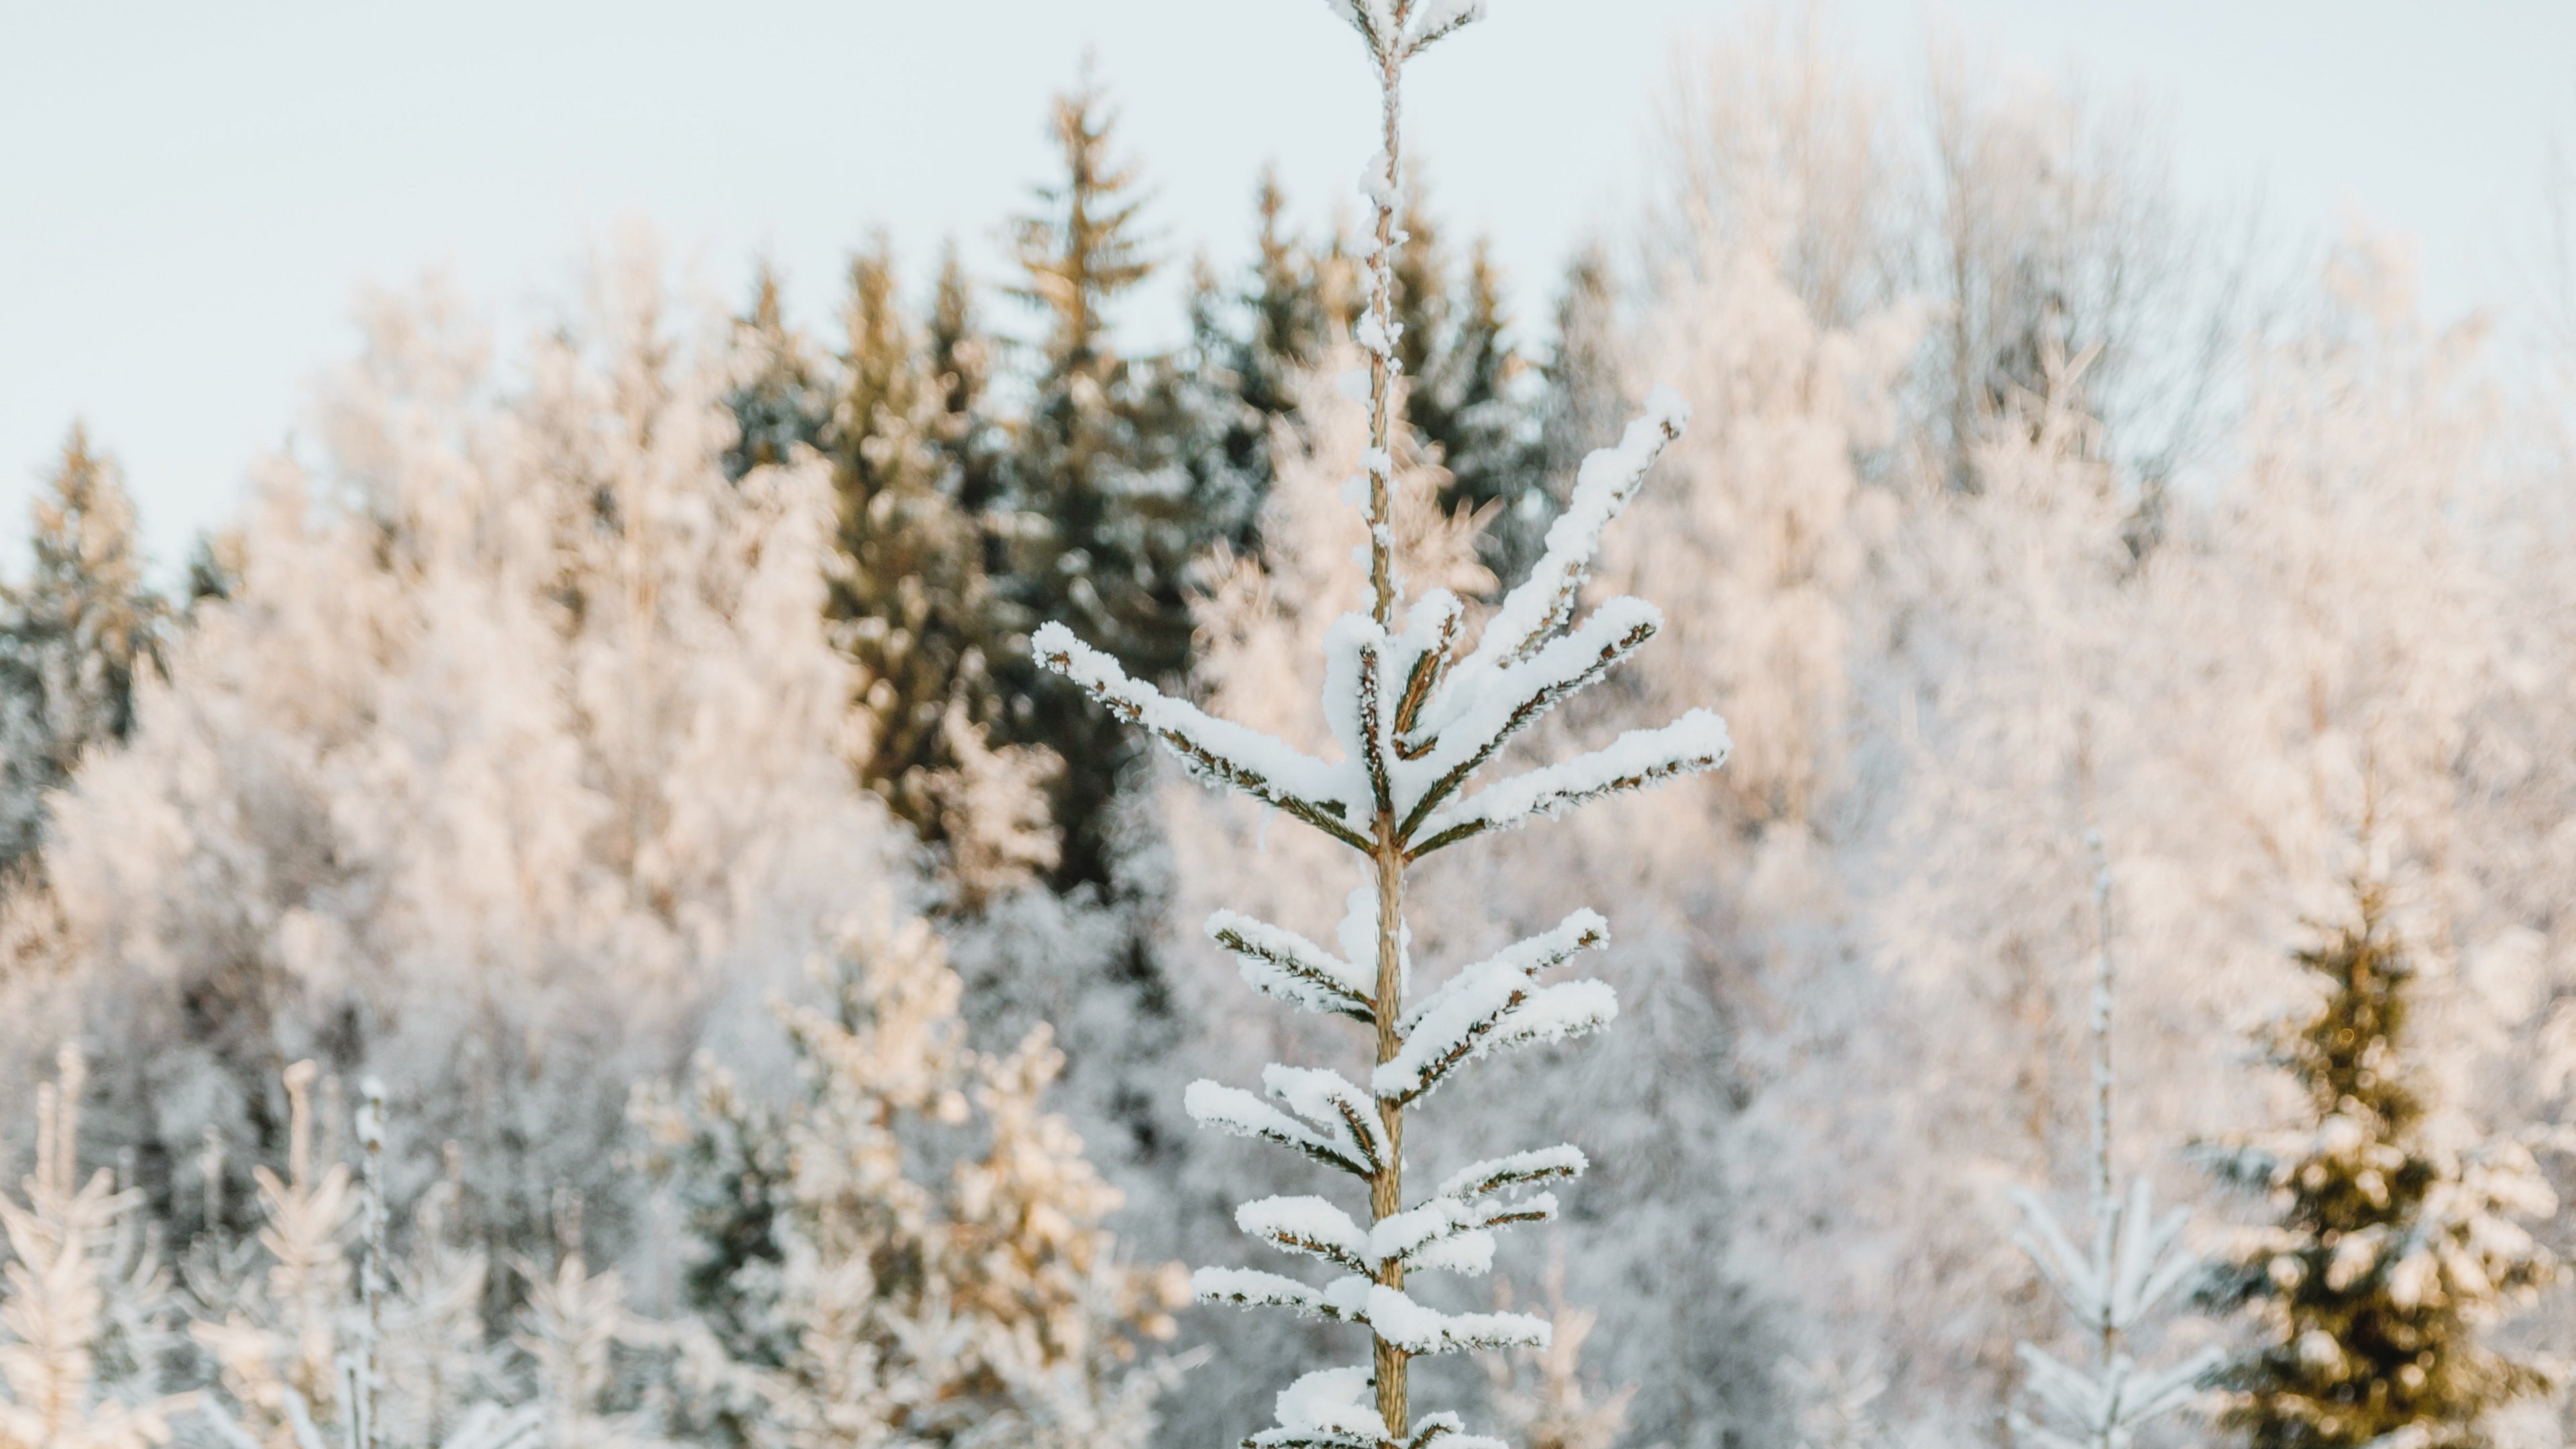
{"points": [[2390, 1248], [1287, 327], [2135, 1262], [572, 1329], [1418, 716], [75, 637]]}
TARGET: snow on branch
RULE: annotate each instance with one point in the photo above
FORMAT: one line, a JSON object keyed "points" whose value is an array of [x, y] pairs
{"points": [[1279, 962], [1312, 1226], [1545, 1164], [1438, 19], [1511, 699], [1370, 18], [1430, 642], [1329, 1100], [1252, 1288], [1608, 480], [1217, 751], [1450, 1432], [1582, 931], [1387, 1312], [1408, 1325], [2133, 1265], [2107, 1407], [1487, 1008], [1453, 1234], [1323, 1410], [1688, 746], [1232, 1109]]}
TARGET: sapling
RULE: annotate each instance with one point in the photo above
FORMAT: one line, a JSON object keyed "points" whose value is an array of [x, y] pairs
{"points": [[1420, 717], [2136, 1261]]}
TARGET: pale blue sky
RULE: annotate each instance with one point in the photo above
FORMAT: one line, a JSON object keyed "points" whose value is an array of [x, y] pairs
{"points": [[191, 193]]}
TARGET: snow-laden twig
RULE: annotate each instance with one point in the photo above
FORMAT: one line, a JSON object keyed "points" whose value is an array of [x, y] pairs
{"points": [[2135, 1261], [1279, 962]]}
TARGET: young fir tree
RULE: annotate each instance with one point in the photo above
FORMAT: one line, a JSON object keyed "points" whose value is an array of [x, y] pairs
{"points": [[1104, 516], [85, 1302], [2388, 1250], [1418, 717], [846, 1295], [75, 638], [2135, 1263]]}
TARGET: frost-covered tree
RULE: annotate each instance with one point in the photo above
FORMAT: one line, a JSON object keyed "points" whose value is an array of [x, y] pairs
{"points": [[77, 636], [848, 1296], [2134, 1263], [85, 1309], [1417, 715], [2391, 1248], [517, 766]]}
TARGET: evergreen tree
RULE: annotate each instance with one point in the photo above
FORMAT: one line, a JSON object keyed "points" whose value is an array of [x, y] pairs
{"points": [[913, 1251], [1287, 302], [1253, 369], [74, 638], [1580, 397], [1455, 348], [2388, 1249], [784, 400], [910, 599], [1104, 514], [963, 428]]}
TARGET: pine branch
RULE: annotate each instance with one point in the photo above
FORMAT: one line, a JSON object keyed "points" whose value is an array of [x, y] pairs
{"points": [[1695, 743], [1516, 697], [1280, 963], [1312, 1226], [1584, 930], [1217, 751]]}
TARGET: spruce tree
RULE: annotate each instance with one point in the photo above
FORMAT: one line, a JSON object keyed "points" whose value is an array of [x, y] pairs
{"points": [[2387, 1251], [1580, 397], [1103, 514], [1286, 304], [910, 602], [963, 429], [75, 638], [1456, 348], [783, 400]]}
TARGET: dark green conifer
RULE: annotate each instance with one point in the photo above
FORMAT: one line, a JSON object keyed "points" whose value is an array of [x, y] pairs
{"points": [[2386, 1253], [1461, 366], [1580, 398], [1103, 519], [784, 400], [910, 601], [76, 637]]}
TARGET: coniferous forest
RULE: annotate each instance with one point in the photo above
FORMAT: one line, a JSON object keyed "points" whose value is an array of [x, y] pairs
{"points": [[1934, 781]]}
